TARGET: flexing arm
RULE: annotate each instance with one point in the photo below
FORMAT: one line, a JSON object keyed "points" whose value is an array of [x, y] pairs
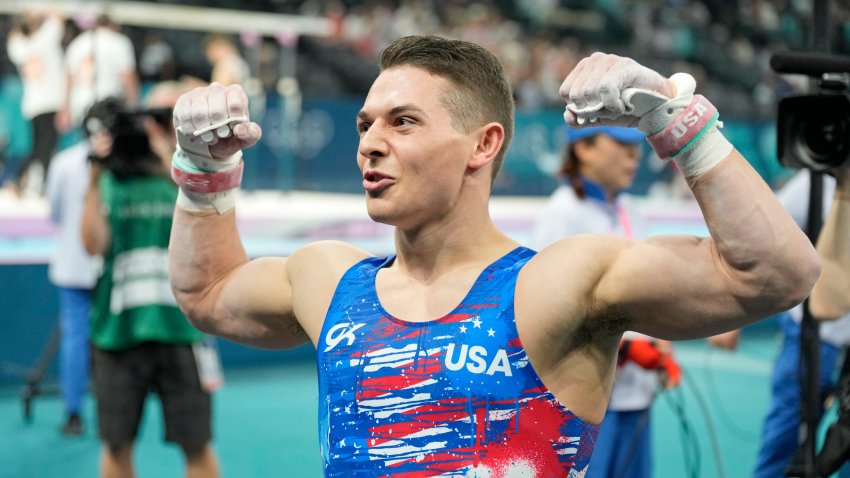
{"points": [[215, 284], [221, 291], [831, 295], [757, 261]]}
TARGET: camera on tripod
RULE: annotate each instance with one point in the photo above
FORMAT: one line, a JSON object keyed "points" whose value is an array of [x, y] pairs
{"points": [[813, 131]]}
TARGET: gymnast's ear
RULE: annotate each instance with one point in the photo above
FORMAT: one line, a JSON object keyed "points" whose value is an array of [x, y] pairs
{"points": [[488, 142]]}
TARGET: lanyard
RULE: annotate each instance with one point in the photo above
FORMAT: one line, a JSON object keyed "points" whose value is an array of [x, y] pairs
{"points": [[624, 222]]}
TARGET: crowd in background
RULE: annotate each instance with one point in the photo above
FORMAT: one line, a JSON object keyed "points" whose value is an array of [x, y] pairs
{"points": [[726, 46], [539, 42]]}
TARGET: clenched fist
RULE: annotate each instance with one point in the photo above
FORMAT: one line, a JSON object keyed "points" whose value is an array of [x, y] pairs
{"points": [[612, 90], [212, 122]]}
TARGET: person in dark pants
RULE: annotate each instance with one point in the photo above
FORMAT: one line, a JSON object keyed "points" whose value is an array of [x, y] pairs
{"points": [[35, 47], [73, 271]]}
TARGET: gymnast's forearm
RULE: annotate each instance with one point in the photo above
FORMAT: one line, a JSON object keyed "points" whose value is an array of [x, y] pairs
{"points": [[205, 249]]}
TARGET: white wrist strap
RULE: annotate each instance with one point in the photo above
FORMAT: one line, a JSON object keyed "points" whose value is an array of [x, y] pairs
{"points": [[222, 201], [706, 153]]}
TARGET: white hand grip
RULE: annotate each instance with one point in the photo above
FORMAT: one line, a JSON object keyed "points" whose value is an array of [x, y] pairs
{"points": [[637, 102], [220, 129], [640, 102]]}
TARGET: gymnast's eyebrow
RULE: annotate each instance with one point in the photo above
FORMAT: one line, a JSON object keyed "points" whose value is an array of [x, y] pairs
{"points": [[395, 111]]}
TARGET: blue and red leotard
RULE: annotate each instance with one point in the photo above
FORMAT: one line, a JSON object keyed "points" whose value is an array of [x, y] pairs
{"points": [[455, 396]]}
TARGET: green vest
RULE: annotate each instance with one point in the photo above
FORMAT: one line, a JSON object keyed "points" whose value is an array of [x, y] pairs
{"points": [[133, 302]]}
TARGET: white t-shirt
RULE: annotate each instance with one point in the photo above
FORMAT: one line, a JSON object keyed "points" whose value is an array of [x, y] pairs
{"points": [[566, 215], [96, 60], [38, 58], [795, 197], [67, 183]]}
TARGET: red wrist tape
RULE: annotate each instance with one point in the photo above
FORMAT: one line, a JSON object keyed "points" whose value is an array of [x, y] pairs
{"points": [[686, 126], [208, 182]]}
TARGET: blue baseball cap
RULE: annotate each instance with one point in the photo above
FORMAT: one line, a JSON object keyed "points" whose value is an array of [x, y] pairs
{"points": [[619, 133]]}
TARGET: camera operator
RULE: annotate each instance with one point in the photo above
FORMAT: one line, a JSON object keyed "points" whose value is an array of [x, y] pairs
{"points": [[141, 340], [830, 300]]}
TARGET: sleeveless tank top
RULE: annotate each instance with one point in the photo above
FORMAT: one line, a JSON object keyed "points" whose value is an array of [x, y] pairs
{"points": [[455, 396]]}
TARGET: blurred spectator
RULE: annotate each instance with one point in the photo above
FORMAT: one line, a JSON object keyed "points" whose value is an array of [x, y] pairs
{"points": [[228, 66], [35, 47], [74, 272], [101, 63], [156, 60]]}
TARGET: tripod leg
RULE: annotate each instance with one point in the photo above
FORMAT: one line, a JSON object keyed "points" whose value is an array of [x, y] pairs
{"points": [[39, 370]]}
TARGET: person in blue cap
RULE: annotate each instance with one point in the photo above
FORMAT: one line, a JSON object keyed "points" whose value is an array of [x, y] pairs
{"points": [[598, 163], [598, 166]]}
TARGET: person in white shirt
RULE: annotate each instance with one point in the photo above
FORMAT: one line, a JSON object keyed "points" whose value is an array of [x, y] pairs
{"points": [[35, 47], [100, 63]]}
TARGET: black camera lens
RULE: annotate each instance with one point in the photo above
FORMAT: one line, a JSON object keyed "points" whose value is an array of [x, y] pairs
{"points": [[814, 131], [825, 135]]}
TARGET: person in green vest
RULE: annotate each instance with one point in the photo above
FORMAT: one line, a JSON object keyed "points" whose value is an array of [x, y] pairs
{"points": [[141, 340]]}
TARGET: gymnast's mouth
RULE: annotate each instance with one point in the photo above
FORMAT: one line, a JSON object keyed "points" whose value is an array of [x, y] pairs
{"points": [[375, 181]]}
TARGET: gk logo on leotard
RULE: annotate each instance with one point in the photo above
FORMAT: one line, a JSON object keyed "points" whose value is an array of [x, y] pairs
{"points": [[346, 331], [477, 357], [690, 120]]}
